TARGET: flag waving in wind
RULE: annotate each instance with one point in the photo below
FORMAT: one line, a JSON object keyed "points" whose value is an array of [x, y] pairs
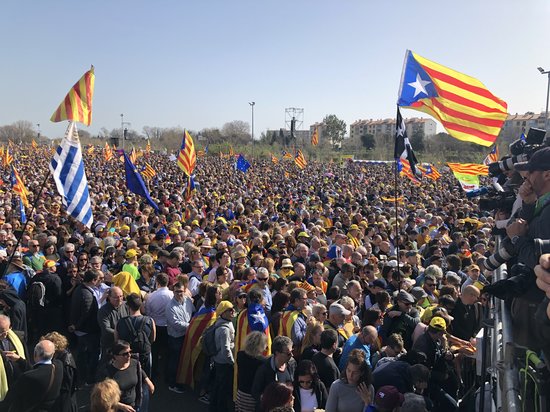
{"points": [[403, 148], [462, 104], [315, 137], [492, 157], [77, 105], [242, 164], [300, 160], [18, 186], [68, 172], [135, 183], [187, 157]]}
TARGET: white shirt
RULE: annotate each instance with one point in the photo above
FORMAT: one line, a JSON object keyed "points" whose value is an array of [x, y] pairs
{"points": [[308, 400], [155, 305]]}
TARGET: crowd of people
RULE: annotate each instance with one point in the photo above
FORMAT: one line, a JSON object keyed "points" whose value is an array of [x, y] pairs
{"points": [[271, 290]]}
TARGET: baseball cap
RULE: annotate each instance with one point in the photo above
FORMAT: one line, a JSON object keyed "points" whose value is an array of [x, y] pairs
{"points": [[388, 397], [539, 161], [380, 283], [224, 306], [405, 297], [438, 323], [337, 309], [130, 253]]}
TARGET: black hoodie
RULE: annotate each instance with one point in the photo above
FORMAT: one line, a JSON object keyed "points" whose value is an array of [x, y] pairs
{"points": [[17, 311]]}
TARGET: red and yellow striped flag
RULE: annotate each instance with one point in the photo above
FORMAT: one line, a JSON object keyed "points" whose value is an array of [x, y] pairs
{"points": [[107, 152], [2, 152], [287, 155], [19, 187], [7, 158], [430, 172], [148, 172], [34, 144], [187, 158], [315, 137], [274, 160], [406, 171], [492, 157], [300, 160], [472, 169], [201, 153], [133, 156], [148, 147], [77, 105], [463, 105], [231, 152], [91, 150]]}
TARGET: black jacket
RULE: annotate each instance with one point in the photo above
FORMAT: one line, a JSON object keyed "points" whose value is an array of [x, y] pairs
{"points": [[17, 312], [30, 392], [84, 310]]}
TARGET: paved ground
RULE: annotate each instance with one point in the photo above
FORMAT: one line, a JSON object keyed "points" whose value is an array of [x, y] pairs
{"points": [[163, 400]]}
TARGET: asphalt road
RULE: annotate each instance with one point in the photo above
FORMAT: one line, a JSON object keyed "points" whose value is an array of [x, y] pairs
{"points": [[162, 400]]}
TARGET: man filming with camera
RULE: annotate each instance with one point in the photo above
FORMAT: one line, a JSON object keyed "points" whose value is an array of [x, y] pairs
{"points": [[528, 238]]}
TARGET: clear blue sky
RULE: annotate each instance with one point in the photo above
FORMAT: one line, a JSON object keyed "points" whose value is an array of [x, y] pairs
{"points": [[197, 64]]}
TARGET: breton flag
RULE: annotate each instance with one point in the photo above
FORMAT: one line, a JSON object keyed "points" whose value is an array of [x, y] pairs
{"points": [[300, 160], [18, 186], [107, 152], [148, 172], [403, 148], [492, 157], [463, 105], [68, 172], [77, 105], [187, 158], [315, 137]]}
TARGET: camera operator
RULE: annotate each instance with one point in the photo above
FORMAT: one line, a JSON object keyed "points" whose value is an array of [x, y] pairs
{"points": [[528, 235]]}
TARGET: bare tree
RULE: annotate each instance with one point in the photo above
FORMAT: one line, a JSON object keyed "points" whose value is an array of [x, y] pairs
{"points": [[153, 132], [237, 132]]}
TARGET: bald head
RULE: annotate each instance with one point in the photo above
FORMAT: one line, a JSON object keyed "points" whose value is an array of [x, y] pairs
{"points": [[470, 295], [5, 323], [369, 334], [44, 351]]}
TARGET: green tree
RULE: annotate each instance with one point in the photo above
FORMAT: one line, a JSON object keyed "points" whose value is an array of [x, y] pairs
{"points": [[417, 140], [368, 141], [334, 129]]}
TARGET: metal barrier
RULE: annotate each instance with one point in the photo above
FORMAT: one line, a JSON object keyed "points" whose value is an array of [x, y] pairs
{"points": [[505, 369]]}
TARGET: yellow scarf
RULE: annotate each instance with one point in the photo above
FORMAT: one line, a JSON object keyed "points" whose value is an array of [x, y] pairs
{"points": [[14, 339]]}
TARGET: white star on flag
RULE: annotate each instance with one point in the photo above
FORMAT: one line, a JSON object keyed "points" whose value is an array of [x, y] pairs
{"points": [[419, 85], [258, 317]]}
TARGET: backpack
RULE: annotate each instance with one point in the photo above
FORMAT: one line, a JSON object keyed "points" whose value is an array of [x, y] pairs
{"points": [[139, 343], [208, 345], [36, 295]]}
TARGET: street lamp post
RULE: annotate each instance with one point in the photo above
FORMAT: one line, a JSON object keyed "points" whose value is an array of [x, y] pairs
{"points": [[38, 131], [252, 127], [122, 129], [547, 72]]}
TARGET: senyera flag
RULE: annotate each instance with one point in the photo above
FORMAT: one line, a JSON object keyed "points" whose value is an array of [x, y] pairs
{"points": [[463, 105], [187, 158], [77, 105]]}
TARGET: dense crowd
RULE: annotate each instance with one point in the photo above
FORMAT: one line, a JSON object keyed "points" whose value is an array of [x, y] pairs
{"points": [[271, 290]]}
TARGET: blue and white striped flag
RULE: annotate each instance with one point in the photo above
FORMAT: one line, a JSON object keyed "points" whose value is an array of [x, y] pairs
{"points": [[68, 172]]}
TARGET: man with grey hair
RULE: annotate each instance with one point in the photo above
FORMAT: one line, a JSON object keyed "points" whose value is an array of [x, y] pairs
{"points": [[38, 388], [262, 276], [108, 316]]}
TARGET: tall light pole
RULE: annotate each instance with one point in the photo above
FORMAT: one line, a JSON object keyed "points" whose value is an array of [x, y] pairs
{"points": [[122, 129], [541, 70], [38, 132], [252, 133]]}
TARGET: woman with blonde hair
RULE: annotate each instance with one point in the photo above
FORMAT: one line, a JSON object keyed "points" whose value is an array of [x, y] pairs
{"points": [[66, 402], [249, 360], [105, 396], [312, 339]]}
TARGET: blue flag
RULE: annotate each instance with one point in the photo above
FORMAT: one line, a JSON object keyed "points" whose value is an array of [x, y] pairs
{"points": [[22, 210], [135, 183], [242, 164]]}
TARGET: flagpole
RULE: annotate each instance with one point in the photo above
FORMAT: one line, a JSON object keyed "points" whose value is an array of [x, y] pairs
{"points": [[39, 195], [396, 219]]}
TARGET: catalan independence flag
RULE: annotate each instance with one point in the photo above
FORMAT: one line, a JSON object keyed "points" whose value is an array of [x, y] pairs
{"points": [[77, 105], [492, 157], [187, 157], [472, 169], [18, 186], [463, 105], [107, 152], [286, 155], [300, 160], [315, 137], [404, 169], [274, 159], [431, 172], [148, 172], [7, 159], [191, 359]]}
